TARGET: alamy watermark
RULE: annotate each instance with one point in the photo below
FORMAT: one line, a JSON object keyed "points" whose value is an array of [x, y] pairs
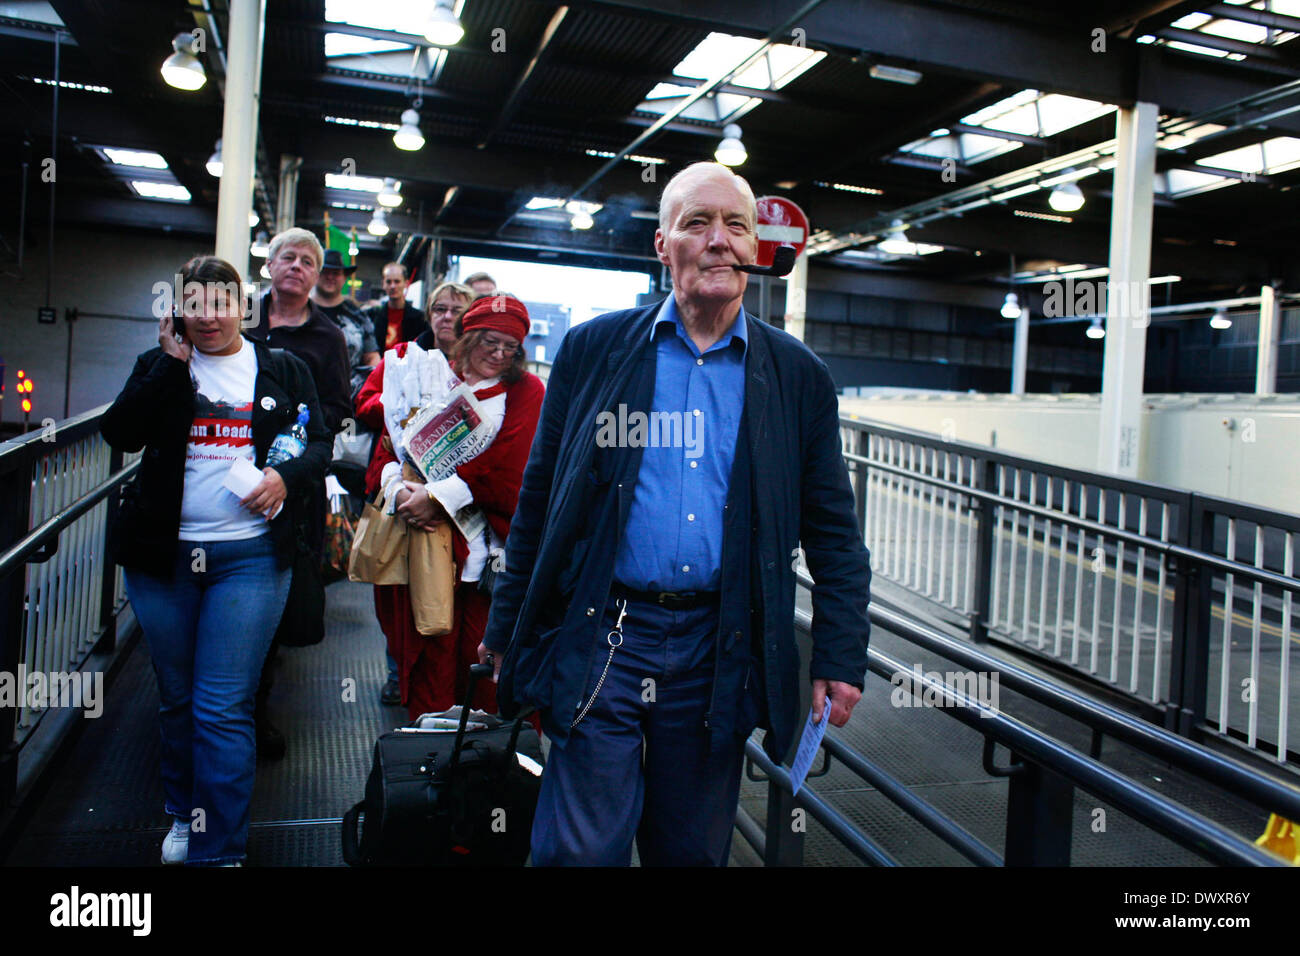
{"points": [[37, 690], [917, 688], [1086, 297], [640, 429]]}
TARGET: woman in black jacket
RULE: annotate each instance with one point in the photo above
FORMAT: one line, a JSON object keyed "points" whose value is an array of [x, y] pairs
{"points": [[208, 571]]}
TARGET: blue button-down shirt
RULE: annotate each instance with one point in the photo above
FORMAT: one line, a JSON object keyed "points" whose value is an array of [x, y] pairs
{"points": [[673, 537]]}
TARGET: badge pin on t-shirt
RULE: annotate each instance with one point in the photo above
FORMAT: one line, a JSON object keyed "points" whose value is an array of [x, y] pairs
{"points": [[268, 402]]}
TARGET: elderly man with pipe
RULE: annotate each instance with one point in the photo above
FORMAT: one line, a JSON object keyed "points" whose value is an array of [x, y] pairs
{"points": [[685, 453]]}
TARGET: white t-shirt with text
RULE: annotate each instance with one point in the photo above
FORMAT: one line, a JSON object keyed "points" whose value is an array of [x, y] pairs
{"points": [[224, 387]]}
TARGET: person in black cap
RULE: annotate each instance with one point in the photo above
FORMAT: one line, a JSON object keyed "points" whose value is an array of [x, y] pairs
{"points": [[343, 311]]}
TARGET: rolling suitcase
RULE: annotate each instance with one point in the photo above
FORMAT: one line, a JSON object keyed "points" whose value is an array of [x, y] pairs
{"points": [[459, 791]]}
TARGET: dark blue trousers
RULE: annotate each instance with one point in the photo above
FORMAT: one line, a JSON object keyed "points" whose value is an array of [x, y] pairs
{"points": [[639, 764]]}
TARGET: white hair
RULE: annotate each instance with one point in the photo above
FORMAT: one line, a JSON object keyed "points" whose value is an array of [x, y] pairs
{"points": [[695, 171], [297, 237]]}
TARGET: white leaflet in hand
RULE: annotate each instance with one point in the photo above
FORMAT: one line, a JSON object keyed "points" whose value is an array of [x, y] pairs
{"points": [[808, 746], [242, 478]]}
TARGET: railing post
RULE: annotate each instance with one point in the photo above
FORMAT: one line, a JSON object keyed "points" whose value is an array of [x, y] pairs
{"points": [[108, 570], [985, 475], [1040, 816], [1189, 656], [784, 833], [15, 505]]}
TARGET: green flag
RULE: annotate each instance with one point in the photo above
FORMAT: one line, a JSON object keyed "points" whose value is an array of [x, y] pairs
{"points": [[336, 238]]}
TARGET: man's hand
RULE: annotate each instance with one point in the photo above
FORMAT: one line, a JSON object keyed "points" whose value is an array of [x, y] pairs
{"points": [[267, 496], [844, 697], [484, 654], [418, 509]]}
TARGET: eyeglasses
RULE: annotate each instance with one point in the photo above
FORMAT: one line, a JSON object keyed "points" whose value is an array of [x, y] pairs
{"points": [[495, 346], [446, 309]]}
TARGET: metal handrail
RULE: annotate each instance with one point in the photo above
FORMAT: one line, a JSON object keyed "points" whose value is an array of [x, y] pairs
{"points": [[24, 550], [1190, 829], [1186, 827], [1133, 731], [1170, 548]]}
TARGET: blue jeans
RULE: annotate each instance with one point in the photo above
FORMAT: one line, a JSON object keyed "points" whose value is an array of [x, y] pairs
{"points": [[208, 632], [639, 765]]}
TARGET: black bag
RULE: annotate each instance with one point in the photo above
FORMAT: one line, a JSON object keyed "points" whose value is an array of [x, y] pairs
{"points": [[303, 622], [443, 797]]}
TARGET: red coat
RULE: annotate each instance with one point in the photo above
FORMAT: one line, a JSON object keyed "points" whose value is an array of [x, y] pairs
{"points": [[494, 476]]}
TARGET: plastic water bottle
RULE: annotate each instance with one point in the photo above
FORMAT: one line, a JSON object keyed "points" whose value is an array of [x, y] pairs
{"points": [[291, 442]]}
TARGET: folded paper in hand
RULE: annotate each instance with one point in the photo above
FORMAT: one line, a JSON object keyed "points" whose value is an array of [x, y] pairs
{"points": [[242, 478]]}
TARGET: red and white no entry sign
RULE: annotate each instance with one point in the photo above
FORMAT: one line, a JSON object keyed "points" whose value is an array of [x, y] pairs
{"points": [[780, 223]]}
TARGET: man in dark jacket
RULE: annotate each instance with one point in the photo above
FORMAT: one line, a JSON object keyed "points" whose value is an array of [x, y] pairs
{"points": [[685, 454], [394, 319]]}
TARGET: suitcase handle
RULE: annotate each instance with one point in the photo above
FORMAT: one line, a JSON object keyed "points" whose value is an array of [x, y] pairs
{"points": [[475, 672], [351, 847]]}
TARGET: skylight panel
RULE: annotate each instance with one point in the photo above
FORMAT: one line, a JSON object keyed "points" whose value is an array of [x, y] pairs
{"points": [[1203, 50], [661, 91], [1192, 21], [1180, 183], [1276, 155], [1058, 112], [400, 16], [31, 11], [1236, 30], [544, 202], [976, 148], [345, 44], [153, 190], [1185, 137], [1000, 108], [140, 159], [716, 54], [361, 184]]}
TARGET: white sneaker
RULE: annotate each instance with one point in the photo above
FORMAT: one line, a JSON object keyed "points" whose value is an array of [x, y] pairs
{"points": [[176, 844]]}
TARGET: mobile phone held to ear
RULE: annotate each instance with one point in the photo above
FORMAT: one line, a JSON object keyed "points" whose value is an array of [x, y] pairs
{"points": [[178, 324]]}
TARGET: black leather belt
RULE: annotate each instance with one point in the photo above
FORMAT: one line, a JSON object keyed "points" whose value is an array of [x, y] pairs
{"points": [[672, 600]]}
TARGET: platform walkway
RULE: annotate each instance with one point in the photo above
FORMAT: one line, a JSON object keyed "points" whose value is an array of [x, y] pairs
{"points": [[101, 804]]}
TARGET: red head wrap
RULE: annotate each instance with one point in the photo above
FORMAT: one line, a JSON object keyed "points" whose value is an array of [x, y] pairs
{"points": [[501, 313]]}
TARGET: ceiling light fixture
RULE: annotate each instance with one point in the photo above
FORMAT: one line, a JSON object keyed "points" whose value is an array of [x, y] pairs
{"points": [[253, 219], [353, 249], [378, 225], [444, 28], [581, 213], [895, 242], [1095, 329], [1220, 320], [408, 136], [182, 69], [1011, 307], [261, 245], [215, 163], [895, 74], [388, 195], [731, 151], [1067, 197]]}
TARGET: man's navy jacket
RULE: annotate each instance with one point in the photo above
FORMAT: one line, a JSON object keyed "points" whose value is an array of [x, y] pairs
{"points": [[789, 488]]}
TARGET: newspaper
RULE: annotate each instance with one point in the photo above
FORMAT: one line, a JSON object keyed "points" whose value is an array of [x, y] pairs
{"points": [[439, 438]]}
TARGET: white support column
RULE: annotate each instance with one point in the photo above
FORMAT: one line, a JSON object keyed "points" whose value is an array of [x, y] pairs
{"points": [[239, 129], [1266, 358], [796, 296], [1020, 352], [1128, 291]]}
